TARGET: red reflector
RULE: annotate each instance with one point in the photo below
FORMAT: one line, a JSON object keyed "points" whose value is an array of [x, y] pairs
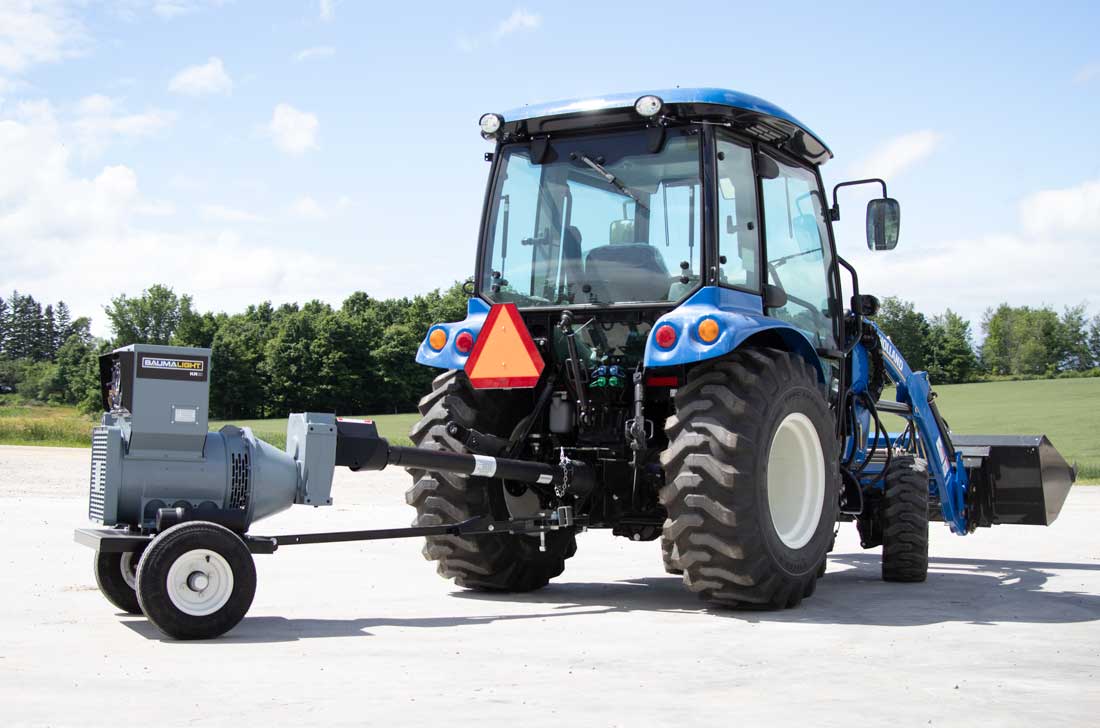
{"points": [[666, 381], [665, 336], [464, 342]]}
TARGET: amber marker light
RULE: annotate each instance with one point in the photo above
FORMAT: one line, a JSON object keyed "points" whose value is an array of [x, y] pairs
{"points": [[437, 339], [708, 330]]}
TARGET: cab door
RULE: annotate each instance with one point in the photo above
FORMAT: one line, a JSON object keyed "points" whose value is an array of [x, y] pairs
{"points": [[797, 252]]}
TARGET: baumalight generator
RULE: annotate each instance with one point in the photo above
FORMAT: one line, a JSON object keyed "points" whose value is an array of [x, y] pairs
{"points": [[667, 353]]}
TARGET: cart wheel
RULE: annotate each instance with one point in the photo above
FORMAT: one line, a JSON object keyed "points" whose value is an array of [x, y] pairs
{"points": [[196, 580], [116, 577]]}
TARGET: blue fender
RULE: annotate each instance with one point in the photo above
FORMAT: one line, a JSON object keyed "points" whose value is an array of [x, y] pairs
{"points": [[449, 357], [739, 315]]}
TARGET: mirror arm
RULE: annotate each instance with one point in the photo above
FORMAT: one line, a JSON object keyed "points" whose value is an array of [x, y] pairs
{"points": [[834, 213]]}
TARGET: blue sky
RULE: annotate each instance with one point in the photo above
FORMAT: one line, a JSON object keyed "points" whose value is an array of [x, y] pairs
{"points": [[242, 151]]}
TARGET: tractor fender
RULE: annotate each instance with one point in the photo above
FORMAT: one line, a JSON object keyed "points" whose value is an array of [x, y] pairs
{"points": [[741, 320], [449, 357]]}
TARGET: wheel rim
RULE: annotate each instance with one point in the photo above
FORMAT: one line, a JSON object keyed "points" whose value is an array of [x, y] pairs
{"points": [[128, 566], [200, 582], [796, 480]]}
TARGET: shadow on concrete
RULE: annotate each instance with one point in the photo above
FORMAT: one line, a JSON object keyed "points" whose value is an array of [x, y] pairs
{"points": [[977, 591], [281, 629]]}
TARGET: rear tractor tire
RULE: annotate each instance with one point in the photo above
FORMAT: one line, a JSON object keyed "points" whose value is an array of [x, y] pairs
{"points": [[904, 518], [670, 557], [509, 563], [753, 481]]}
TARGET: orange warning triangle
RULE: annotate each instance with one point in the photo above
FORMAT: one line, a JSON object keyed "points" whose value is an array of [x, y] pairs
{"points": [[504, 356]]}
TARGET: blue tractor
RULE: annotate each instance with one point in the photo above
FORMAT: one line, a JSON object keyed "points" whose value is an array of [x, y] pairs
{"points": [[665, 266], [658, 342]]}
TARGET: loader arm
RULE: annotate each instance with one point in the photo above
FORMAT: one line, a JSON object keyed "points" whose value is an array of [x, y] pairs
{"points": [[949, 479]]}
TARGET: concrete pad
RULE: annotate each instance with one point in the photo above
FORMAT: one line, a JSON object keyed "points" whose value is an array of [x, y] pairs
{"points": [[1005, 632]]}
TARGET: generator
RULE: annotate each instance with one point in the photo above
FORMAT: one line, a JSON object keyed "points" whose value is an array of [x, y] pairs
{"points": [[154, 464], [175, 501]]}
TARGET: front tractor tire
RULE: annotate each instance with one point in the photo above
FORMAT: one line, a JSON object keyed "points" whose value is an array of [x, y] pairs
{"points": [[753, 480], [508, 563], [904, 517]]}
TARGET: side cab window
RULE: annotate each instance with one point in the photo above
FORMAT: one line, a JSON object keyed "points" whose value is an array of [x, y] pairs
{"points": [[738, 226], [796, 242]]}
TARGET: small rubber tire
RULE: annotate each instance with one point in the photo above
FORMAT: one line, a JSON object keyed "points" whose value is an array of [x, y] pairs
{"points": [[904, 518], [669, 556], [111, 571], [154, 593], [717, 486]]}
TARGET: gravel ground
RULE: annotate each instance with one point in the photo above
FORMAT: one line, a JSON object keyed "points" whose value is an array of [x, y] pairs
{"points": [[1005, 632]]}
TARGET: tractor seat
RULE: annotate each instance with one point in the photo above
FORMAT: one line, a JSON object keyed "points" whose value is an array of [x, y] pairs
{"points": [[627, 272]]}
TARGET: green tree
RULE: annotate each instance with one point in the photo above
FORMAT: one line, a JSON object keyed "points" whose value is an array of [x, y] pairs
{"points": [[24, 319], [951, 358], [236, 365], [76, 357], [151, 318], [63, 323], [196, 329], [4, 324], [48, 343], [1094, 340], [907, 328], [290, 368], [1023, 340], [1073, 340]]}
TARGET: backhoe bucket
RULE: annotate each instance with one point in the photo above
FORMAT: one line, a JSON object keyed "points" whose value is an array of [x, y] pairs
{"points": [[1017, 479]]}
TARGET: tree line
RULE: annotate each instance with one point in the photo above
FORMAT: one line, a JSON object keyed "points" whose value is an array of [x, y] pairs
{"points": [[359, 357], [1018, 342], [266, 361]]}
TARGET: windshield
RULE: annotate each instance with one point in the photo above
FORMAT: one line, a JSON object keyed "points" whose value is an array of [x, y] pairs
{"points": [[602, 220]]}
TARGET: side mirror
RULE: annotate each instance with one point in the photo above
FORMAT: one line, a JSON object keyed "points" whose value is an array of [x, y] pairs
{"points": [[883, 223]]}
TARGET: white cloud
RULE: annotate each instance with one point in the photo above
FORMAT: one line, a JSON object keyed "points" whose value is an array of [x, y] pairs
{"points": [[520, 20], [169, 9], [316, 52], [35, 33], [205, 78], [1091, 72], [327, 9], [163, 9], [221, 213], [98, 118], [1070, 211], [293, 131], [517, 21], [896, 155], [64, 232], [1051, 258], [308, 208]]}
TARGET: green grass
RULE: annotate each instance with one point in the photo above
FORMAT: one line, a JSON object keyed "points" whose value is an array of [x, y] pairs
{"points": [[33, 424], [394, 428], [1065, 410]]}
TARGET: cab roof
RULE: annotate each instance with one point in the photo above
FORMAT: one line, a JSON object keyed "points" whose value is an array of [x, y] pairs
{"points": [[750, 114]]}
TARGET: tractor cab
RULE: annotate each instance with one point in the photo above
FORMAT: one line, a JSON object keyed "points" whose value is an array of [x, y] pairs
{"points": [[658, 298], [643, 202]]}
